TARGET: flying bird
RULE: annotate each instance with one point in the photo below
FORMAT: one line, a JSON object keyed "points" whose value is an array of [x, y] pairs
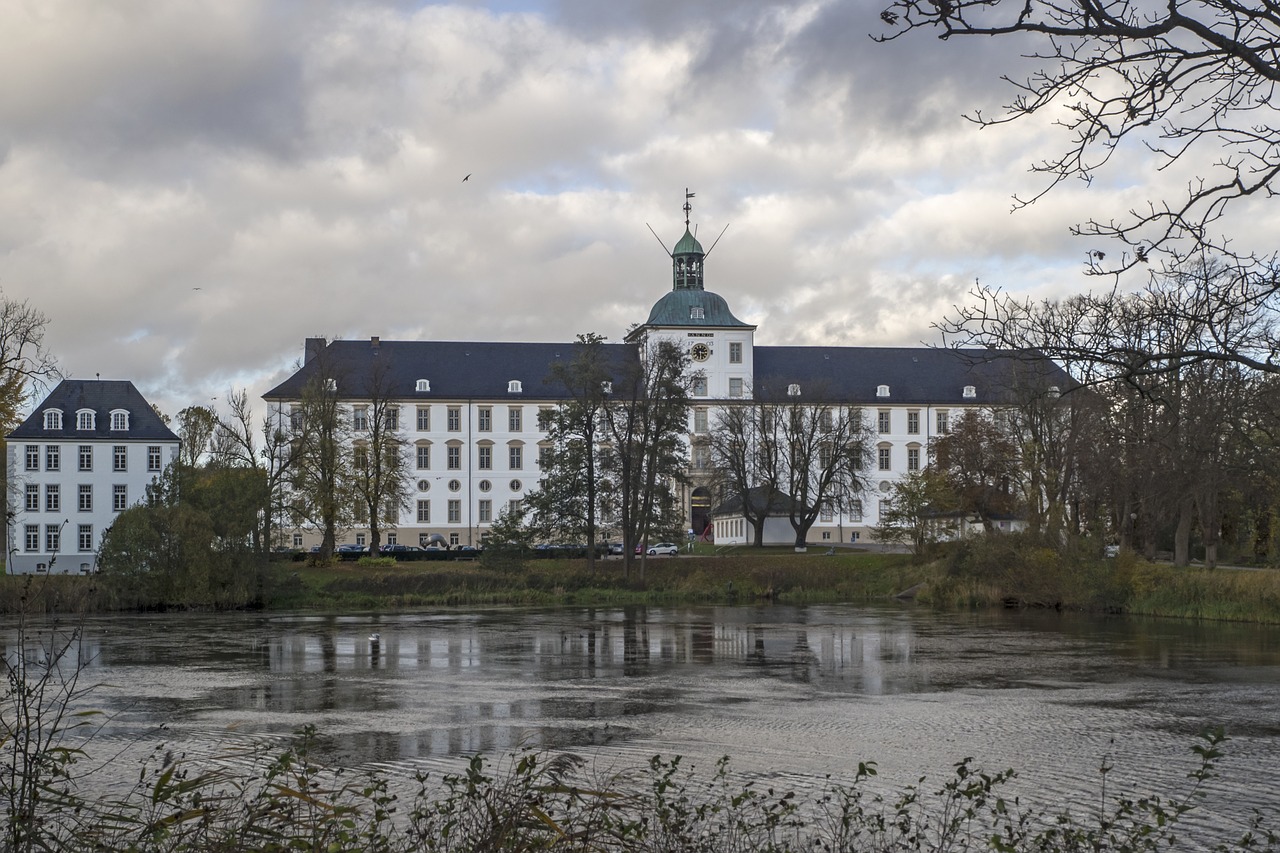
{"points": [[467, 178]]}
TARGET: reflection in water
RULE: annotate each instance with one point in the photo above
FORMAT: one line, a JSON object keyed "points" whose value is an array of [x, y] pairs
{"points": [[794, 693]]}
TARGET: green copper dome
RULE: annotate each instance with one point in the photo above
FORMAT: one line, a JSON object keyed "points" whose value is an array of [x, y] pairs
{"points": [[693, 308], [688, 245]]}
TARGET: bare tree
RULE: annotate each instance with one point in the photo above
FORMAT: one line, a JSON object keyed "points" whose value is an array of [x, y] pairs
{"points": [[321, 483], [572, 496], [235, 444], [25, 365], [743, 445], [1186, 81], [380, 468], [646, 421], [822, 450]]}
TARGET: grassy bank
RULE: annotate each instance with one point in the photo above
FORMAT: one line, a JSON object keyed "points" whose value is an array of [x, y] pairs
{"points": [[1003, 572]]}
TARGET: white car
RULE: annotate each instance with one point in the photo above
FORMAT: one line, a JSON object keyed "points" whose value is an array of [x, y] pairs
{"points": [[666, 548]]}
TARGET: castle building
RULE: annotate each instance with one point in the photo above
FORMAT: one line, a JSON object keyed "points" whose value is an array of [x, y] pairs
{"points": [[83, 456], [468, 410]]}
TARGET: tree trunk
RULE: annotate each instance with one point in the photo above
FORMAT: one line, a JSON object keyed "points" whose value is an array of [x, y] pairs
{"points": [[1182, 535]]}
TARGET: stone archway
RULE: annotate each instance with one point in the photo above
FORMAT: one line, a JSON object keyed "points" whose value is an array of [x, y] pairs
{"points": [[700, 513]]}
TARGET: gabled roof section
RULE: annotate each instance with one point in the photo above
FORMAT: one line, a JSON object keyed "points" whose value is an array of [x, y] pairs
{"points": [[456, 370], [102, 396], [778, 504], [914, 375]]}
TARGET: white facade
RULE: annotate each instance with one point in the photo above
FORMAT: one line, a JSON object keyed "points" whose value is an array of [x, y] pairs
{"points": [[88, 452]]}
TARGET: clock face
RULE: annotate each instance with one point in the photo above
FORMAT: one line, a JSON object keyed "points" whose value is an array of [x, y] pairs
{"points": [[700, 352]]}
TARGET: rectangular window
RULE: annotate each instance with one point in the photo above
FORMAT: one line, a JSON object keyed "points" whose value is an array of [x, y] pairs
{"points": [[33, 497], [84, 535], [484, 419], [295, 420], [485, 458], [882, 455], [86, 457], [884, 509], [33, 457], [32, 532], [913, 423], [119, 421], [297, 540], [855, 510], [84, 420], [943, 422], [390, 512], [424, 419], [86, 497], [544, 457], [424, 511], [52, 537], [545, 417], [119, 498], [455, 458], [393, 418], [455, 512], [513, 507], [824, 456], [515, 456], [486, 510], [360, 418], [52, 498], [119, 458], [700, 421], [153, 457], [913, 459], [455, 419], [882, 421], [53, 457], [701, 457], [825, 513], [735, 387], [699, 386], [515, 419], [824, 419], [424, 457], [735, 352]]}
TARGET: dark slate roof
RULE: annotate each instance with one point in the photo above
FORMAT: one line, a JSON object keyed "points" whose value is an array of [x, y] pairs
{"points": [[673, 310], [457, 370], [103, 396], [779, 504], [915, 375]]}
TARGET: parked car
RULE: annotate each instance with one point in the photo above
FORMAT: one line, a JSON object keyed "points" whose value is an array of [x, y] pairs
{"points": [[1111, 551], [616, 549], [397, 548], [667, 548], [348, 548]]}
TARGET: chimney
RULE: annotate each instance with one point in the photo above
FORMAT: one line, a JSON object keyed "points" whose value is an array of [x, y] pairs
{"points": [[312, 347], [374, 340]]}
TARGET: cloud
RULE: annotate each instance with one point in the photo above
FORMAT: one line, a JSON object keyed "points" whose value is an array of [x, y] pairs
{"points": [[188, 190]]}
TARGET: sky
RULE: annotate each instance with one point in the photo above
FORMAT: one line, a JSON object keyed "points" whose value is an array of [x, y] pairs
{"points": [[188, 190]]}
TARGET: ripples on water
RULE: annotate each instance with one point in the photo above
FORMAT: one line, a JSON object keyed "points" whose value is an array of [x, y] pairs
{"points": [[792, 694]]}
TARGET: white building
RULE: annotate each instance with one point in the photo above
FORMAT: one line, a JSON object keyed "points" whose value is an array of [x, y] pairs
{"points": [[85, 454], [468, 409]]}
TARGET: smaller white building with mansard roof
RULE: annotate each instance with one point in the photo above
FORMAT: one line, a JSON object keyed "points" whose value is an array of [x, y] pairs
{"points": [[85, 454]]}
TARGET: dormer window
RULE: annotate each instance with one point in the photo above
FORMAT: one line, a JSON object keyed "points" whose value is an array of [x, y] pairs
{"points": [[606, 387], [970, 391], [424, 385], [882, 390], [53, 419], [793, 390], [514, 387], [331, 384], [1055, 391], [84, 419], [696, 313], [119, 421]]}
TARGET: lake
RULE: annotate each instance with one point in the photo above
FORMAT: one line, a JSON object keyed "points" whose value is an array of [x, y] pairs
{"points": [[789, 693]]}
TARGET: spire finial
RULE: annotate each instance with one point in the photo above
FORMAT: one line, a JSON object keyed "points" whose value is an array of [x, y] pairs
{"points": [[687, 207]]}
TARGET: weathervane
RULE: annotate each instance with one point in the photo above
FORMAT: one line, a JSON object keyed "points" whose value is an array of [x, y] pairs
{"points": [[687, 207]]}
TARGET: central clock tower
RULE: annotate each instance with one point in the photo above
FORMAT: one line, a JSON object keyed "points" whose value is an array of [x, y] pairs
{"points": [[700, 322]]}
